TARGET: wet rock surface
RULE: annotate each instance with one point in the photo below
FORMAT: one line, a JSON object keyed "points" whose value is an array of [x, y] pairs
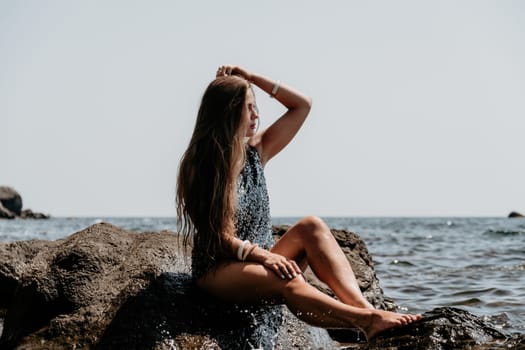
{"points": [[445, 328], [106, 288]]}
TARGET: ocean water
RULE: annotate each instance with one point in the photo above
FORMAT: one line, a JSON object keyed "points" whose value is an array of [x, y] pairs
{"points": [[477, 264]]}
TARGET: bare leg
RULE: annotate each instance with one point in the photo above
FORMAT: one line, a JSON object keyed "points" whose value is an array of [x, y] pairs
{"points": [[310, 238], [250, 282]]}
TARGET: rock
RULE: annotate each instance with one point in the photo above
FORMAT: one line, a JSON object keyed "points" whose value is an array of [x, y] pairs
{"points": [[11, 206], [108, 288], [445, 328], [514, 214], [6, 213], [10, 200], [29, 214]]}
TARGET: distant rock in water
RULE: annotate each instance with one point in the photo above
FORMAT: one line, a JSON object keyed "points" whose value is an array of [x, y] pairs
{"points": [[11, 206], [108, 288], [10, 202], [515, 214]]}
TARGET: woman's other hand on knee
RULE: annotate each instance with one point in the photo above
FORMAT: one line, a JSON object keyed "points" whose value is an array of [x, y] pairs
{"points": [[283, 267]]}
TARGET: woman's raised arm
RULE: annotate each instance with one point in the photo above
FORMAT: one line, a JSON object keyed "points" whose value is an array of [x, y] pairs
{"points": [[273, 139]]}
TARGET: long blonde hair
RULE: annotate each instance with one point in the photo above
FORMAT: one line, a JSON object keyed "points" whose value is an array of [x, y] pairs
{"points": [[207, 180]]}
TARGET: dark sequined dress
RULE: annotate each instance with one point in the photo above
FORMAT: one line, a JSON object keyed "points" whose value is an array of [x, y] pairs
{"points": [[253, 221]]}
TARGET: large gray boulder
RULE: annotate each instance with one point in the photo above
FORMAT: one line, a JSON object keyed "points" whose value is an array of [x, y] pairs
{"points": [[108, 288]]}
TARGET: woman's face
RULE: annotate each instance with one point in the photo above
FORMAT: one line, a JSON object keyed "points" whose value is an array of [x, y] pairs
{"points": [[249, 116]]}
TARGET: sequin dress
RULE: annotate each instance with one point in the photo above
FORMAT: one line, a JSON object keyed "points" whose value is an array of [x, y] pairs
{"points": [[253, 223], [252, 219]]}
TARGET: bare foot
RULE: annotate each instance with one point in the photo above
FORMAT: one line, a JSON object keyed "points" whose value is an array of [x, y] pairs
{"points": [[382, 320]]}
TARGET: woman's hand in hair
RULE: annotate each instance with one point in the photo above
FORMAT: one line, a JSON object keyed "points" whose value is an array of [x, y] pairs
{"points": [[233, 70]]}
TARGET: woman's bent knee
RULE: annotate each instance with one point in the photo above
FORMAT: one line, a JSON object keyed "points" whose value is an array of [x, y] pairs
{"points": [[312, 223], [313, 229]]}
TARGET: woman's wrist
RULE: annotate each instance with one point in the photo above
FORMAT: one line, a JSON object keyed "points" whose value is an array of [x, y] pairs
{"points": [[256, 254], [245, 249], [249, 251], [241, 254], [265, 84]]}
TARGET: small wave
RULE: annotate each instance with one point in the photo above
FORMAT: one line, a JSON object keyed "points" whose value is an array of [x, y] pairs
{"points": [[467, 271], [492, 232], [474, 292], [466, 302], [401, 263]]}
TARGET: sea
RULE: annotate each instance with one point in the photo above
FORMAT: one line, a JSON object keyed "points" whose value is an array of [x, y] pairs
{"points": [[476, 264]]}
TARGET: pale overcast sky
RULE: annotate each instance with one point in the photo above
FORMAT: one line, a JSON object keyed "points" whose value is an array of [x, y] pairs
{"points": [[419, 106]]}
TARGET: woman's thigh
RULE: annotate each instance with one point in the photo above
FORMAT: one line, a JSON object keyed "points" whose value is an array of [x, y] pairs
{"points": [[248, 281], [244, 282], [292, 243]]}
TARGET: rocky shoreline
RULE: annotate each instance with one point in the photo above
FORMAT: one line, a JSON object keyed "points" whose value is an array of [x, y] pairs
{"points": [[105, 288]]}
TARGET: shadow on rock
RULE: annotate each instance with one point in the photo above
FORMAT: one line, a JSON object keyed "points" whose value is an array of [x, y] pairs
{"points": [[172, 311]]}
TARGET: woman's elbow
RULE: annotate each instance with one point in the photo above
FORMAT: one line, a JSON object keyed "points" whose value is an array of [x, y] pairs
{"points": [[309, 102]]}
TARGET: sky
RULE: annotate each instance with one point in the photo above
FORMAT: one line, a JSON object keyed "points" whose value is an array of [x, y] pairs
{"points": [[418, 106]]}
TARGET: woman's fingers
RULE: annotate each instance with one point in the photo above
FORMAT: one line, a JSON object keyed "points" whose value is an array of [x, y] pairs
{"points": [[224, 70], [282, 267], [220, 71], [285, 268], [278, 271], [282, 270], [233, 70], [289, 269], [296, 268]]}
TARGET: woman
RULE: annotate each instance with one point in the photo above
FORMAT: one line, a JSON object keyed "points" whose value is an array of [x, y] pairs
{"points": [[222, 202]]}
